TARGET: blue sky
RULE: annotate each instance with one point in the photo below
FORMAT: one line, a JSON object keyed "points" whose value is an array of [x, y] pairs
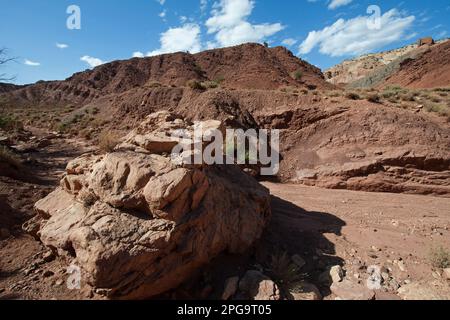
{"points": [[323, 32]]}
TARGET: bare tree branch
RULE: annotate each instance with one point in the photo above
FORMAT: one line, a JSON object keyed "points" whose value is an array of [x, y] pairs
{"points": [[4, 59]]}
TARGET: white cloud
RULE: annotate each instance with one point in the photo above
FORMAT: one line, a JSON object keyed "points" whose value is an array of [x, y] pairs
{"points": [[230, 26], [31, 63], [138, 54], [62, 45], [161, 2], [91, 61], [203, 5], [289, 42], [353, 36], [338, 3], [185, 38], [163, 14]]}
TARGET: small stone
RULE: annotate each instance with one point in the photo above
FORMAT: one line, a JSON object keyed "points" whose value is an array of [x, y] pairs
{"points": [[259, 287], [59, 282], [336, 273], [231, 286], [299, 261], [332, 275]]}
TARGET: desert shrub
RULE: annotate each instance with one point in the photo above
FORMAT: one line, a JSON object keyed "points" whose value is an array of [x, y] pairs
{"points": [[95, 110], [408, 97], [394, 88], [297, 75], [62, 127], [435, 99], [311, 87], [442, 89], [283, 270], [8, 123], [440, 257], [393, 99], [438, 108], [210, 84], [374, 98], [8, 157], [220, 79], [107, 141], [198, 70], [352, 96], [389, 94], [195, 85]]}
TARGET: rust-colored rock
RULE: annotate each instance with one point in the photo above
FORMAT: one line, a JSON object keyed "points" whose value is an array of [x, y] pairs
{"points": [[138, 225]]}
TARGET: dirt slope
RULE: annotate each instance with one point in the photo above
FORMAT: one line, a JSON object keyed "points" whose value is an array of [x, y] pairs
{"points": [[430, 70], [248, 66], [412, 66]]}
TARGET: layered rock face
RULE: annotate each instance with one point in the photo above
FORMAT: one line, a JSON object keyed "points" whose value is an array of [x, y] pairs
{"points": [[139, 225]]}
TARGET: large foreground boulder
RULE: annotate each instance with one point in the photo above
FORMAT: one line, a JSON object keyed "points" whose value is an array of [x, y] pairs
{"points": [[139, 225]]}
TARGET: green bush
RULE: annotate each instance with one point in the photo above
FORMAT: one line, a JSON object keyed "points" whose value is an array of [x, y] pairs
{"points": [[7, 123], [297, 75]]}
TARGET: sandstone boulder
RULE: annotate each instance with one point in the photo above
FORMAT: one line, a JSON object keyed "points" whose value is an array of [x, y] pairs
{"points": [[256, 286], [139, 225]]}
